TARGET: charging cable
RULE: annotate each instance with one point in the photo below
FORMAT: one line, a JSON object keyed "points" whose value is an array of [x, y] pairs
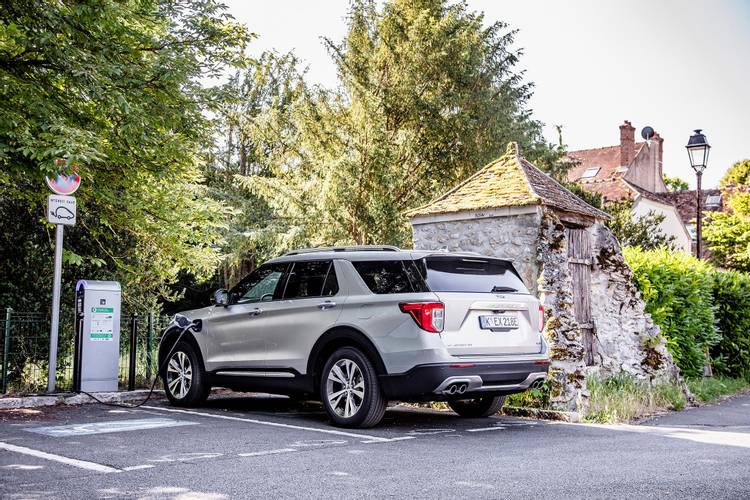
{"points": [[156, 378]]}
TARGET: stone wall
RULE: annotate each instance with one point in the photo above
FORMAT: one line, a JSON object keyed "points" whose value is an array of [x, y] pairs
{"points": [[513, 237], [626, 338]]}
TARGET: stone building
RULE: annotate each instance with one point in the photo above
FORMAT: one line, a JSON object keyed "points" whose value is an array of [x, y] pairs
{"points": [[566, 255]]}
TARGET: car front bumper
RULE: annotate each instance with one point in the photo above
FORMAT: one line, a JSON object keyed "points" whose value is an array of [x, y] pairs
{"points": [[435, 382]]}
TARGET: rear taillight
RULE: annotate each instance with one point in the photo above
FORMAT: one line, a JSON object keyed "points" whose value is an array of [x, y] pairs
{"points": [[429, 316], [541, 318]]}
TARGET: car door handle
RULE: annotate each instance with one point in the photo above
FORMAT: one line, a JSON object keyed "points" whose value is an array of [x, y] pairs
{"points": [[256, 312], [326, 305]]}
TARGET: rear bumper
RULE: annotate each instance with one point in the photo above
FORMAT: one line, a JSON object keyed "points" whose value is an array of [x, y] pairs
{"points": [[432, 382]]}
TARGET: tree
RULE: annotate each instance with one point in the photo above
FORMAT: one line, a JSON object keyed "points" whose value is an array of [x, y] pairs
{"points": [[115, 88], [427, 95], [643, 231], [737, 175], [675, 184], [727, 235]]}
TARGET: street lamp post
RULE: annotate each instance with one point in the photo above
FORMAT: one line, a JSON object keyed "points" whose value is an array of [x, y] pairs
{"points": [[698, 149]]}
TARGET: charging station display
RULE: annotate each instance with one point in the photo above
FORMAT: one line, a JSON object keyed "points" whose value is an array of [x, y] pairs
{"points": [[97, 336]]}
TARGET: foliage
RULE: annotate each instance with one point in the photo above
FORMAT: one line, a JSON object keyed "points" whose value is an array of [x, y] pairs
{"points": [[642, 231], [731, 296], [675, 184], [737, 175], [113, 87], [727, 234], [591, 197], [428, 94], [678, 290], [261, 101], [621, 398], [532, 398], [711, 388]]}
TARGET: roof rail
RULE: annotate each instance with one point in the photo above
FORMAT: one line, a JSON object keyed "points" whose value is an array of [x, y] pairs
{"points": [[359, 248]]}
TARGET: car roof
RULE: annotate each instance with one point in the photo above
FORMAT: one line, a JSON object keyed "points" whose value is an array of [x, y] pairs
{"points": [[370, 253]]}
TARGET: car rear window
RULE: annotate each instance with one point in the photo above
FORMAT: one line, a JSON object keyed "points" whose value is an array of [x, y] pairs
{"points": [[468, 274], [391, 276]]}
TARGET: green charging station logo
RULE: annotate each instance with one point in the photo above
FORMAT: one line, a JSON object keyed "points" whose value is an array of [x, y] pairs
{"points": [[102, 309]]}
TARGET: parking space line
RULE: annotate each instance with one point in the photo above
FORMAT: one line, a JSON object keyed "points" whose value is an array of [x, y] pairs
{"points": [[81, 464], [138, 467], [272, 424], [266, 452], [483, 429]]}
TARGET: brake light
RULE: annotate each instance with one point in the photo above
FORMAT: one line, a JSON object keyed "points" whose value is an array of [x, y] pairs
{"points": [[429, 316], [541, 318]]}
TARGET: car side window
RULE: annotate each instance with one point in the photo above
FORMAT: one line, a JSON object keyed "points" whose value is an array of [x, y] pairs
{"points": [[308, 279], [331, 286], [260, 285], [391, 276]]}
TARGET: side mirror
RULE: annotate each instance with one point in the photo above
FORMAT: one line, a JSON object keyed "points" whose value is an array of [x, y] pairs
{"points": [[221, 297]]}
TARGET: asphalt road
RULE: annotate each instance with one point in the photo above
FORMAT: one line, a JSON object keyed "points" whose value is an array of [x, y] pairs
{"points": [[243, 447]]}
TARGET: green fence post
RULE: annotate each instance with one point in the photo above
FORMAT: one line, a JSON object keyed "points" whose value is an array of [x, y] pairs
{"points": [[6, 349], [149, 341]]}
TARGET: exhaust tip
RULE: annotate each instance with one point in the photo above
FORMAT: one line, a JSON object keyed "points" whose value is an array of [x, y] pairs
{"points": [[461, 389]]}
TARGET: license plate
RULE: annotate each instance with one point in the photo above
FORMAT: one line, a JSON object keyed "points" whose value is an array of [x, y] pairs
{"points": [[498, 321]]}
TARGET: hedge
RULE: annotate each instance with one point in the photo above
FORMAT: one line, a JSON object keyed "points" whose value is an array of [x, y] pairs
{"points": [[679, 294], [731, 296]]}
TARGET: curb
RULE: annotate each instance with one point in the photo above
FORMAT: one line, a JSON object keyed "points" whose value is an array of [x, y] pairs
{"points": [[74, 399], [560, 416]]}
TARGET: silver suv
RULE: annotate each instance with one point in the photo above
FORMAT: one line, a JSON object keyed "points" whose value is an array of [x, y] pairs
{"points": [[357, 327]]}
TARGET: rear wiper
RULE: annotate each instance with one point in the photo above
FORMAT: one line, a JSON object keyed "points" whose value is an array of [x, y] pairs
{"points": [[496, 289]]}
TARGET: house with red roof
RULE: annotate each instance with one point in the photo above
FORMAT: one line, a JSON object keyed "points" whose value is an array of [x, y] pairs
{"points": [[631, 170]]}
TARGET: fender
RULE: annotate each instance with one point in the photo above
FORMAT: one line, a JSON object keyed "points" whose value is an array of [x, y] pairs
{"points": [[341, 336]]}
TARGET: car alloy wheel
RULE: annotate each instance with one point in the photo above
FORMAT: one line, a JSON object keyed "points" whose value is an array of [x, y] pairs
{"points": [[179, 375], [345, 388]]}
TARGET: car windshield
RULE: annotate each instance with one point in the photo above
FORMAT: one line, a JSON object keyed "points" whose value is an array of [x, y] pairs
{"points": [[470, 274]]}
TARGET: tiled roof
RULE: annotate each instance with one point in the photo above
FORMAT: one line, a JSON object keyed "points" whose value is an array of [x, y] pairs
{"points": [[555, 195], [607, 180], [687, 202], [507, 182]]}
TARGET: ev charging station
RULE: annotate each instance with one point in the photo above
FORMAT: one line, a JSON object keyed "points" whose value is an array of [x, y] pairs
{"points": [[97, 336]]}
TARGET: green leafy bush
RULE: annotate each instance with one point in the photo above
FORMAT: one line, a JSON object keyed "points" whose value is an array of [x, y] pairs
{"points": [[731, 296], [678, 290]]}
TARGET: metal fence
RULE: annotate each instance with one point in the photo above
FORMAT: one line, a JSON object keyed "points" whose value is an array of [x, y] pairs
{"points": [[24, 344]]}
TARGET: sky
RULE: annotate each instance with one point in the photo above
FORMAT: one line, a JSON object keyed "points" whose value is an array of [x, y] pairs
{"points": [[674, 65]]}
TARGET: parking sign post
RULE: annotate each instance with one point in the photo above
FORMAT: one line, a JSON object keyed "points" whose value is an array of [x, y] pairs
{"points": [[61, 211], [55, 308]]}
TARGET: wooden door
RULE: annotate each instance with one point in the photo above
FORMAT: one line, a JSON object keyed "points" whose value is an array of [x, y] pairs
{"points": [[579, 262]]}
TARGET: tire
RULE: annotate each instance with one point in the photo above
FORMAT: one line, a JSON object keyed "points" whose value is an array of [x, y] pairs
{"points": [[187, 391], [478, 407], [350, 391]]}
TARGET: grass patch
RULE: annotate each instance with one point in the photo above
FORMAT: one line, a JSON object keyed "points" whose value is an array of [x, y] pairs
{"points": [[709, 389], [622, 397]]}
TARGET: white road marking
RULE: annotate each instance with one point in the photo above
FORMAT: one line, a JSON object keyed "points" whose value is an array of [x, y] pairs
{"points": [[138, 467], [738, 439], [272, 424], [483, 429], [81, 464], [23, 467], [266, 452], [388, 440], [106, 426], [338, 473], [185, 457]]}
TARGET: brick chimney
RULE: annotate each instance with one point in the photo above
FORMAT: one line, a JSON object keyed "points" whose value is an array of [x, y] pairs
{"points": [[658, 139], [627, 143]]}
